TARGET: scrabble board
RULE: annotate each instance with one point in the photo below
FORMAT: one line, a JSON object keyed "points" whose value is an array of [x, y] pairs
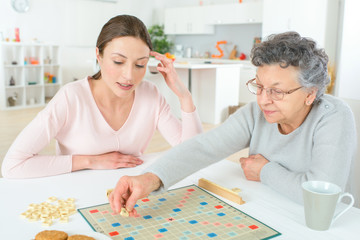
{"points": [[183, 213]]}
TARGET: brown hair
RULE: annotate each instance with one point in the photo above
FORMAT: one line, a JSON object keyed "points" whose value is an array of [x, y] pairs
{"points": [[121, 26]]}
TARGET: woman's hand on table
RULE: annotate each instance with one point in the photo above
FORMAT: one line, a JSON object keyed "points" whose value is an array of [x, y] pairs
{"points": [[166, 68], [130, 189], [111, 160], [252, 166]]}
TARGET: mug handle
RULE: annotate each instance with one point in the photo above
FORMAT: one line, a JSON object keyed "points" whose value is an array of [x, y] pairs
{"points": [[347, 208]]}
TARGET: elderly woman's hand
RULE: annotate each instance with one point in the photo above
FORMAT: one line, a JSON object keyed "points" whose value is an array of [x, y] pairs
{"points": [[130, 189], [252, 166]]}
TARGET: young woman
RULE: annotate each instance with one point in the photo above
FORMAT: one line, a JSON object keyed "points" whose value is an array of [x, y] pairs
{"points": [[105, 121]]}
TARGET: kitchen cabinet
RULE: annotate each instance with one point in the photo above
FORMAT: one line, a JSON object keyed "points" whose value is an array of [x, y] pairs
{"points": [[320, 22], [186, 20], [29, 74], [244, 13], [201, 19]]}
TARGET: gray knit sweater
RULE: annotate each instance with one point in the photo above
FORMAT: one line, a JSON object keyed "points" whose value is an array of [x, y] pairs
{"points": [[322, 148]]}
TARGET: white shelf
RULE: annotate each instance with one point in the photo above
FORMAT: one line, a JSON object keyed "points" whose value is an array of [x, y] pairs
{"points": [[36, 71]]}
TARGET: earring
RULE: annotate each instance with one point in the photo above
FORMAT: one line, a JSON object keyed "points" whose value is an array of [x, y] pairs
{"points": [[308, 102]]}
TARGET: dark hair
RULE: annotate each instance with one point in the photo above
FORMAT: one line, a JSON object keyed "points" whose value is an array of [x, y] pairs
{"points": [[121, 26], [290, 49]]}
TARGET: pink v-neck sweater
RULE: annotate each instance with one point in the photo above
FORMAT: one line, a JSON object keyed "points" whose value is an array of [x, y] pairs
{"points": [[74, 120]]}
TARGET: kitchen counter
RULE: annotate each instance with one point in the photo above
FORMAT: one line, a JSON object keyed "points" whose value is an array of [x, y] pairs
{"points": [[213, 83], [201, 63]]}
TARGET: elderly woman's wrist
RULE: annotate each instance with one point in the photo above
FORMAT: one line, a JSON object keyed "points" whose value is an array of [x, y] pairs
{"points": [[154, 181]]}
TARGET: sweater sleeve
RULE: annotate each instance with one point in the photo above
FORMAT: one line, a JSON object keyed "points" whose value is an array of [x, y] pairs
{"points": [[22, 159], [333, 149], [204, 149], [174, 130]]}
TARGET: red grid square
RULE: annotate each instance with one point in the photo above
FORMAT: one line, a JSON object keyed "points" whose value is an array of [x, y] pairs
{"points": [[113, 233], [253, 227]]}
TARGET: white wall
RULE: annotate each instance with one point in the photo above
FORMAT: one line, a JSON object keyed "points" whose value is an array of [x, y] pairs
{"points": [[348, 77], [73, 24]]}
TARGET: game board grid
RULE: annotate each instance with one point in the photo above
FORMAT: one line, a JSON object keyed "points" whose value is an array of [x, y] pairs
{"points": [[152, 231], [190, 205]]}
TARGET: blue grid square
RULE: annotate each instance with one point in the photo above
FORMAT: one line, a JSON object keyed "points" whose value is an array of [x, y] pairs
{"points": [[101, 220], [166, 224], [116, 224], [129, 238], [193, 222], [184, 238], [232, 234], [212, 235], [162, 230], [127, 226], [221, 214], [187, 232], [199, 234], [203, 203], [176, 209], [162, 199], [139, 227], [147, 217]]}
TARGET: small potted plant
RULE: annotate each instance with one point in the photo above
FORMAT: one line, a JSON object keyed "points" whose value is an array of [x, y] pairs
{"points": [[161, 43]]}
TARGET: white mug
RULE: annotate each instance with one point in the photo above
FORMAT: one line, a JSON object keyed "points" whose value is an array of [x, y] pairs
{"points": [[320, 201]]}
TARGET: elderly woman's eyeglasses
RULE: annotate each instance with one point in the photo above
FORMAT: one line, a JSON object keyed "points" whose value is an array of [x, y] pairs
{"points": [[274, 93]]}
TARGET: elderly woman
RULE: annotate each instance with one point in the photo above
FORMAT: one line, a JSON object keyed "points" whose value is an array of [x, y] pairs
{"points": [[294, 132]]}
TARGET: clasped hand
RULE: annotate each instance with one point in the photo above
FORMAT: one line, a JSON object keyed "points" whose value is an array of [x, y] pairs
{"points": [[252, 166]]}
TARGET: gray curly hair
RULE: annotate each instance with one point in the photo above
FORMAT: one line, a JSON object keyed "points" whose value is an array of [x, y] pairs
{"points": [[290, 49]]}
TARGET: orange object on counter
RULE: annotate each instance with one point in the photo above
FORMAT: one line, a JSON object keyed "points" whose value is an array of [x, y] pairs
{"points": [[170, 56], [220, 50]]}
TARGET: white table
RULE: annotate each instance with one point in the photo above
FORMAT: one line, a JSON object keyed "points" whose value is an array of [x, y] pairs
{"points": [[89, 188]]}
